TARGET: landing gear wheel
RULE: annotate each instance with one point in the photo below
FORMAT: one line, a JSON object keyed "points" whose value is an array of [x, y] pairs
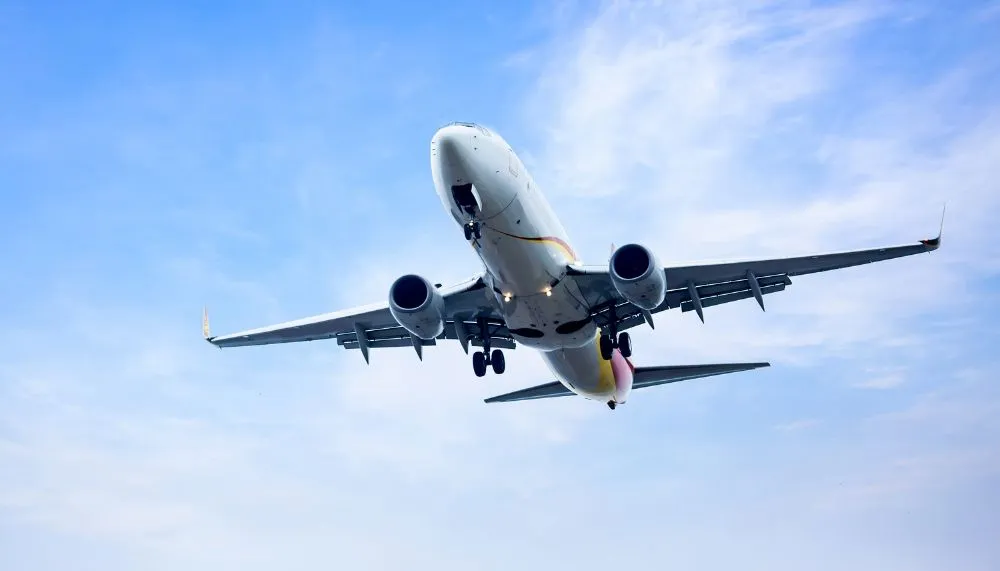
{"points": [[625, 344], [472, 230], [498, 362], [479, 363], [612, 404], [607, 346]]}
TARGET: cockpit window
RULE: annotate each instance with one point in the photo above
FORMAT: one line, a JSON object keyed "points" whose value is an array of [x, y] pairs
{"points": [[481, 129]]}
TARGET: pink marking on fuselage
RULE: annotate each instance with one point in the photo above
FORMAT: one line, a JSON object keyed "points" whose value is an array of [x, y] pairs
{"points": [[623, 370]]}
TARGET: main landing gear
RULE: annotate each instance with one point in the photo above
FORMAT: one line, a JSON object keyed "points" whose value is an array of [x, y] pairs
{"points": [[614, 340], [483, 359], [486, 358]]}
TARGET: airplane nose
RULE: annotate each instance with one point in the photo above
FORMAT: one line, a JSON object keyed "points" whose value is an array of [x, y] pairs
{"points": [[450, 144]]}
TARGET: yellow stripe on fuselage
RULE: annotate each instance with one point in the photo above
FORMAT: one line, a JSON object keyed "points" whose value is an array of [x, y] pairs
{"points": [[606, 375]]}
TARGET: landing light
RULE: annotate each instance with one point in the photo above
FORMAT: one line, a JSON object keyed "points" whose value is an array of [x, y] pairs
{"points": [[506, 297], [548, 291]]}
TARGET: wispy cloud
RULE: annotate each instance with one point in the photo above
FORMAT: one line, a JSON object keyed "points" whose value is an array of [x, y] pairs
{"points": [[885, 381]]}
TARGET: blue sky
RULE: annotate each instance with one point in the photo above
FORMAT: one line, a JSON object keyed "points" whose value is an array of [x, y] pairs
{"points": [[270, 160]]}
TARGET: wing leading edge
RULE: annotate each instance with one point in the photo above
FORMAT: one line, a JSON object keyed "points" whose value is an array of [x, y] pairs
{"points": [[643, 377]]}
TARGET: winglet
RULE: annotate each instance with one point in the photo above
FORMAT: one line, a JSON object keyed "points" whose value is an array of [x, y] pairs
{"points": [[205, 330], [935, 243]]}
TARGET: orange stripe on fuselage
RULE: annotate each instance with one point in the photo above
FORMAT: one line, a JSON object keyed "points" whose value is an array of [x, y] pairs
{"points": [[560, 243]]}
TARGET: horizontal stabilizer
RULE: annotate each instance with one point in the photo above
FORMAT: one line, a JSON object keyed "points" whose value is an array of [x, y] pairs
{"points": [[651, 376], [644, 377]]}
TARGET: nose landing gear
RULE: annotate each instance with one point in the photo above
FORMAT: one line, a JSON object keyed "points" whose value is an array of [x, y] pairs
{"points": [[472, 230], [466, 200]]}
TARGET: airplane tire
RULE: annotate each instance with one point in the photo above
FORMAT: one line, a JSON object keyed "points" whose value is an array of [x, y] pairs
{"points": [[477, 231], [498, 362], [606, 347], [479, 363], [468, 231], [625, 344]]}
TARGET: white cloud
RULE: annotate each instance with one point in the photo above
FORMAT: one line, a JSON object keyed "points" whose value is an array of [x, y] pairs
{"points": [[886, 381]]}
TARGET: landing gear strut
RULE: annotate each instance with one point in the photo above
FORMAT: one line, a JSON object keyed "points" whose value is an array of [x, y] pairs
{"points": [[614, 340], [485, 358]]}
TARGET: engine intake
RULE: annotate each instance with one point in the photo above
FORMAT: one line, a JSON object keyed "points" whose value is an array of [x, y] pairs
{"points": [[417, 306], [638, 277]]}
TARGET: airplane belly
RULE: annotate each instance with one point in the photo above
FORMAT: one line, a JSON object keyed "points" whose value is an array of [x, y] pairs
{"points": [[551, 321]]}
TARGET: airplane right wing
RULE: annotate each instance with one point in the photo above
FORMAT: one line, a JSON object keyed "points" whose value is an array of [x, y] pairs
{"points": [[642, 377], [468, 307], [695, 287]]}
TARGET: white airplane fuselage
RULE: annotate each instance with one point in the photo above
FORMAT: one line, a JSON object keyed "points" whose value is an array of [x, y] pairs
{"points": [[525, 253]]}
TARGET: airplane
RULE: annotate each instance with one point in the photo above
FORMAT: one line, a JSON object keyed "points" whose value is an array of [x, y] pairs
{"points": [[533, 290]]}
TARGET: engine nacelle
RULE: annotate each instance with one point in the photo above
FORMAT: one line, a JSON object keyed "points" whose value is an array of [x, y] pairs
{"points": [[417, 306], [638, 277]]}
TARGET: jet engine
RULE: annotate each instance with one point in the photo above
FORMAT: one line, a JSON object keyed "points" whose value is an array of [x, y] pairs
{"points": [[417, 306], [638, 277]]}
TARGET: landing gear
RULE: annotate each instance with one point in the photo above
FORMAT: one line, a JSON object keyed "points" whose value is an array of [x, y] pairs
{"points": [[481, 360], [486, 358], [498, 361], [612, 404], [625, 344], [614, 340], [479, 363], [607, 347], [472, 230]]}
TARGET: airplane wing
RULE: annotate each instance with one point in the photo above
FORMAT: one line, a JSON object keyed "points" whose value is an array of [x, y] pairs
{"points": [[373, 326], [643, 377], [695, 287]]}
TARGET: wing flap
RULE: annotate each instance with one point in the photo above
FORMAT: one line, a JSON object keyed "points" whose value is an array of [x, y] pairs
{"points": [[500, 337]]}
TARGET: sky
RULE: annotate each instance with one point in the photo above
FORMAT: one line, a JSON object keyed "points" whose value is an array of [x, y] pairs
{"points": [[270, 160]]}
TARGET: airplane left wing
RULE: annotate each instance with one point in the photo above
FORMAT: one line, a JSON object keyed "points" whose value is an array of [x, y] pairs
{"points": [[468, 307], [695, 287]]}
